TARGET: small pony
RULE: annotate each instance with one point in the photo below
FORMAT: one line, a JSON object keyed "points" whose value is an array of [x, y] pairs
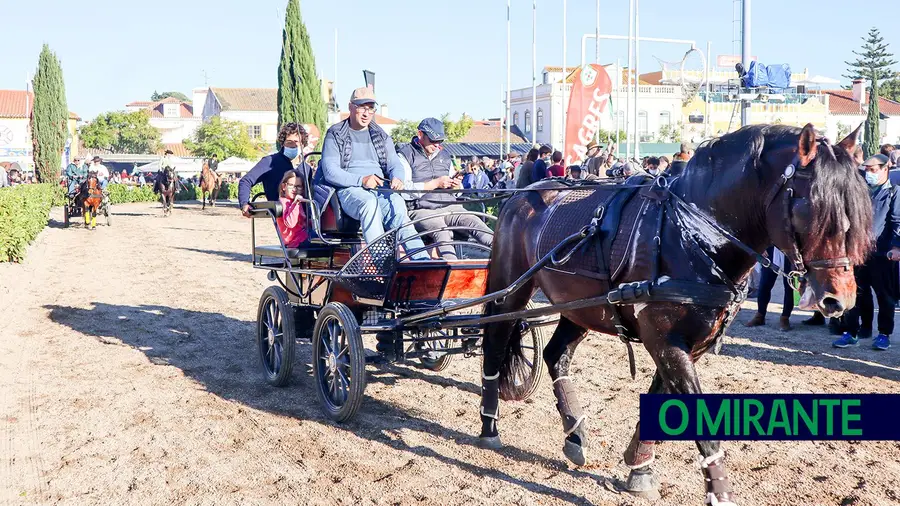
{"points": [[91, 198], [209, 184]]}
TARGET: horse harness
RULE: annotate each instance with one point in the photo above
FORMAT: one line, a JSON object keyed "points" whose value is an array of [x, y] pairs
{"points": [[664, 289]]}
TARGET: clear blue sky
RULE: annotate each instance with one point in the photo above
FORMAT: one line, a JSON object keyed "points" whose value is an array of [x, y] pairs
{"points": [[429, 57]]}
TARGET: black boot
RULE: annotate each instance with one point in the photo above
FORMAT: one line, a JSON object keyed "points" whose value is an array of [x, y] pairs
{"points": [[815, 319]]}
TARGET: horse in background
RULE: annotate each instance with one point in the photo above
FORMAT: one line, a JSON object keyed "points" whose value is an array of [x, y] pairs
{"points": [[90, 198], [165, 184], [209, 184]]}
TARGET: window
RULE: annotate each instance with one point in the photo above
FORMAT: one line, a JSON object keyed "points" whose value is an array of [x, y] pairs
{"points": [[527, 122], [516, 118], [642, 123], [254, 131], [540, 120], [171, 110], [620, 120], [665, 118]]}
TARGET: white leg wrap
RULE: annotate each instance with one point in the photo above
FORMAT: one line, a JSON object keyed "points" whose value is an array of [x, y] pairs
{"points": [[712, 501], [645, 464], [560, 379], [489, 378], [705, 462], [495, 416], [577, 423]]}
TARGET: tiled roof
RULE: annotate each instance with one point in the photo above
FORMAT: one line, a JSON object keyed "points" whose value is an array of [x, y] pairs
{"points": [[247, 99], [157, 109], [841, 102], [381, 120], [141, 103], [13, 103], [178, 150], [489, 131]]}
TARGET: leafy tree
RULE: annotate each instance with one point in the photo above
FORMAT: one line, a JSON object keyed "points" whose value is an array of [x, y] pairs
{"points": [[404, 131], [890, 89], [456, 130], [670, 133], [872, 63], [122, 132], [299, 90], [224, 138], [843, 130], [49, 117], [156, 97]]}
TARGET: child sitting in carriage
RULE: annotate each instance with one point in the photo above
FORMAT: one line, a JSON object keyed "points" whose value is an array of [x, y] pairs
{"points": [[292, 223]]}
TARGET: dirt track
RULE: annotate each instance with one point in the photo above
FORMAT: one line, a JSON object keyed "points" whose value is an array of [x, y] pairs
{"points": [[128, 376]]}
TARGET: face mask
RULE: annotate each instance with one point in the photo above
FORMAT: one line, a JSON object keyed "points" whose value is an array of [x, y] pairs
{"points": [[291, 153], [872, 179]]}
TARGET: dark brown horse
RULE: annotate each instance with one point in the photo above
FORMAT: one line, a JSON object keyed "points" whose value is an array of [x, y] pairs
{"points": [[165, 186], [761, 185]]}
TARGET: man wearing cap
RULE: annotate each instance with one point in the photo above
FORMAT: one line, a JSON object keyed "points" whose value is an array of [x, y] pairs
{"points": [[428, 168], [358, 157], [75, 173], [594, 160], [878, 274], [271, 168], [102, 172]]}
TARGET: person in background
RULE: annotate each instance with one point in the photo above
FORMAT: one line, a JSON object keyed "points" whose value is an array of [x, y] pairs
{"points": [[886, 150], [594, 159], [539, 169], [75, 173], [292, 222], [652, 166], [557, 169], [767, 280], [526, 175], [879, 273], [663, 164], [574, 172], [681, 159], [4, 178]]}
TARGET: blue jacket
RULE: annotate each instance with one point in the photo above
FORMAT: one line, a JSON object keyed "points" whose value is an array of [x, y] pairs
{"points": [[886, 218], [539, 170], [269, 172]]}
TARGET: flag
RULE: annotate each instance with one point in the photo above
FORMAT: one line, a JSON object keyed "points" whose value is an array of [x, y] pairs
{"points": [[589, 99]]}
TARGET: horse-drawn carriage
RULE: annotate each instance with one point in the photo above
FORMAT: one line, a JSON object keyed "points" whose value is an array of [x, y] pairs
{"points": [[340, 293], [88, 201]]}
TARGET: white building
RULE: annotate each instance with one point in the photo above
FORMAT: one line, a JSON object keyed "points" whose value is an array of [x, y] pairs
{"points": [[174, 119], [657, 106], [849, 108], [255, 107]]}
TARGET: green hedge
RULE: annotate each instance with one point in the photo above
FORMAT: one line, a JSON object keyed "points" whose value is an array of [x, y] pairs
{"points": [[24, 212], [123, 194]]}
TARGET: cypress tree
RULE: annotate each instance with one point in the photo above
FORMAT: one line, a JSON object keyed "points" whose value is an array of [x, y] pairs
{"points": [[299, 89], [49, 117], [872, 64]]}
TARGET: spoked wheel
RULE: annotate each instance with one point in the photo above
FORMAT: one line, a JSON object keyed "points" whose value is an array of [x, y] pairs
{"points": [[437, 358], [275, 336], [533, 341], [339, 362]]}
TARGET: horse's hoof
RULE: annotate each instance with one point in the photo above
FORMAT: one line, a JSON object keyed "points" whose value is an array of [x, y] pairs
{"points": [[575, 453], [642, 483], [490, 443]]}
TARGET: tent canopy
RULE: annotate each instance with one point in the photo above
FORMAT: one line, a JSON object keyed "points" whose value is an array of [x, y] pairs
{"points": [[235, 164]]}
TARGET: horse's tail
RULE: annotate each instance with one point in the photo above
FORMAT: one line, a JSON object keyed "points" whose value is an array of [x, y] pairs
{"points": [[503, 349]]}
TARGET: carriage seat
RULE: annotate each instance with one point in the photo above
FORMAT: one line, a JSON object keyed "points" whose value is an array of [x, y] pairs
{"points": [[334, 223], [295, 255]]}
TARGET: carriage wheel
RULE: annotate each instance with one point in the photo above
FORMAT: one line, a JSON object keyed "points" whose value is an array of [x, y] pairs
{"points": [[66, 211], [533, 348], [275, 336], [439, 360], [106, 213], [339, 362]]}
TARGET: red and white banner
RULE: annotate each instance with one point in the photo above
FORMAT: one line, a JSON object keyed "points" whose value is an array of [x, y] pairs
{"points": [[589, 99]]}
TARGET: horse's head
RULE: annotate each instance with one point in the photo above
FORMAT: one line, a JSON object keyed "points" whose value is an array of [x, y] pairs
{"points": [[820, 215]]}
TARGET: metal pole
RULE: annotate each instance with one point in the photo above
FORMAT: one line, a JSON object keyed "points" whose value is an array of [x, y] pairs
{"points": [[706, 112], [334, 84], [618, 103], [565, 103], [533, 71], [637, 77], [745, 55], [597, 36], [587, 36], [502, 112], [508, 83], [628, 81]]}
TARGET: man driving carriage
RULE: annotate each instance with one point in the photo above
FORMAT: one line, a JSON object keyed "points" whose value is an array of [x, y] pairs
{"points": [[75, 174], [357, 158], [428, 168]]}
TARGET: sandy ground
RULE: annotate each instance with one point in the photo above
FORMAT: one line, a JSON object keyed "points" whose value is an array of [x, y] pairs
{"points": [[128, 376]]}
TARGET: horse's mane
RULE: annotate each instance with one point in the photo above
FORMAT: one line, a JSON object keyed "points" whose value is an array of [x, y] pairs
{"points": [[837, 195]]}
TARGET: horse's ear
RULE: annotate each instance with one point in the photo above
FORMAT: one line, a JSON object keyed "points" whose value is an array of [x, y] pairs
{"points": [[807, 145], [849, 142]]}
